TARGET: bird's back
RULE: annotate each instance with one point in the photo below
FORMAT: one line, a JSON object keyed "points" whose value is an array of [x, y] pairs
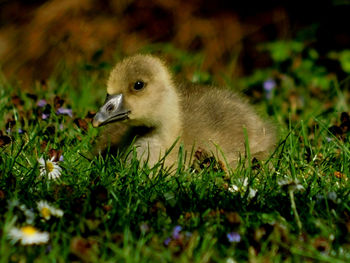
{"points": [[216, 118]]}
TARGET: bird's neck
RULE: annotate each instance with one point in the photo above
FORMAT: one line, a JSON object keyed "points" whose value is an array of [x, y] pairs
{"points": [[169, 126]]}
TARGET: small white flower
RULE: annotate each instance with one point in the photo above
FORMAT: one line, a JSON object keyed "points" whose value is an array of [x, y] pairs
{"points": [[28, 235], [230, 260], [49, 168], [252, 193], [245, 182], [283, 182], [291, 185], [233, 188], [46, 210]]}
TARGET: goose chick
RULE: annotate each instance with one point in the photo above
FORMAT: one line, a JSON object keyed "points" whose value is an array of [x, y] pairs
{"points": [[143, 102]]}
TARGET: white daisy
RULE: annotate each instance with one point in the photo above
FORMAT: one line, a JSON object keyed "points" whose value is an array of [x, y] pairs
{"points": [[28, 235], [46, 210], [49, 168]]}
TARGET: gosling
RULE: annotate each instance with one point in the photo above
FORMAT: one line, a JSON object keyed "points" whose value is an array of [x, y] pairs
{"points": [[146, 106]]}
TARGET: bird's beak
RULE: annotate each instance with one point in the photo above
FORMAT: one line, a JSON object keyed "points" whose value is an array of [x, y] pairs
{"points": [[113, 110]]}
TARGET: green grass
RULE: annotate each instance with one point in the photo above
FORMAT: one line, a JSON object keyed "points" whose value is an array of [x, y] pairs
{"points": [[116, 211]]}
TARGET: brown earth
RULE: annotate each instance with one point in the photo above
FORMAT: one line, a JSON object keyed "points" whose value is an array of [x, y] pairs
{"points": [[35, 36]]}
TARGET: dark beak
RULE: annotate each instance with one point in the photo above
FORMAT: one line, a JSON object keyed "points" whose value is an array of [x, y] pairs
{"points": [[113, 110]]}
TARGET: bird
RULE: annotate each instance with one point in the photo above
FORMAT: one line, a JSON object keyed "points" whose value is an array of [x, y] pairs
{"points": [[147, 106]]}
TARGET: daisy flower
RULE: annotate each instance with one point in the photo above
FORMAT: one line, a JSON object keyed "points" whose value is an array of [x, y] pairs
{"points": [[49, 168], [28, 235], [46, 210]]}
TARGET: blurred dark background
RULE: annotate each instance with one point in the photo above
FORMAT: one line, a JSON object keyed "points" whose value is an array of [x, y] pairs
{"points": [[36, 35]]}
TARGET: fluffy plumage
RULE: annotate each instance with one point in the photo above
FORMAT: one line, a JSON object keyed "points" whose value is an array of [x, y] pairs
{"points": [[144, 102]]}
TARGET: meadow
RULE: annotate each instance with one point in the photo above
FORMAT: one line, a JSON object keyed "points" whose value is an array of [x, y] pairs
{"points": [[292, 207]]}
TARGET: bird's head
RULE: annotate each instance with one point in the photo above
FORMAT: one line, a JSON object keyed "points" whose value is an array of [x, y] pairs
{"points": [[138, 91]]}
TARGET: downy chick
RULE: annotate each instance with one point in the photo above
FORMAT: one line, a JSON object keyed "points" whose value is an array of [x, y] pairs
{"points": [[144, 103]]}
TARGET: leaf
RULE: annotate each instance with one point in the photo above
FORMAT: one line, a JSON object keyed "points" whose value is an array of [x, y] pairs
{"points": [[233, 218], [84, 249], [55, 154], [344, 58], [339, 175], [282, 50], [81, 123], [58, 102], [322, 244], [17, 101], [89, 116]]}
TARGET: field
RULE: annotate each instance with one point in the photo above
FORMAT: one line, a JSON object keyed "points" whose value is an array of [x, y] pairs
{"points": [[293, 207]]}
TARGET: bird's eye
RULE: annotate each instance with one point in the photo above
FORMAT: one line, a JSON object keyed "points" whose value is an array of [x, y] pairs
{"points": [[110, 108], [139, 85]]}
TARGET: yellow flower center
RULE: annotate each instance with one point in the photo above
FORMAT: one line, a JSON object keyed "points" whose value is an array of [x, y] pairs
{"points": [[45, 212], [49, 167], [28, 230]]}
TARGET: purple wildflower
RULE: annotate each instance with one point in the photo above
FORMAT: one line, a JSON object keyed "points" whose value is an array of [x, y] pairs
{"points": [[269, 85], [20, 131], [64, 111], [61, 158], [41, 103], [233, 237], [176, 232], [167, 241], [44, 116]]}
